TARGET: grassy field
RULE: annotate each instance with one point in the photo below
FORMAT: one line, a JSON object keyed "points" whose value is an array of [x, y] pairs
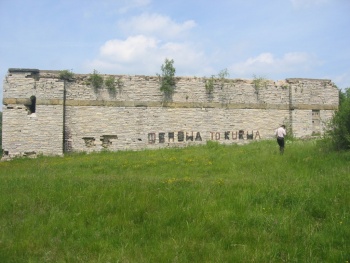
{"points": [[211, 203]]}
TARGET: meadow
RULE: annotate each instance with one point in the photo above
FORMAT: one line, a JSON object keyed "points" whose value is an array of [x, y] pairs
{"points": [[210, 203]]}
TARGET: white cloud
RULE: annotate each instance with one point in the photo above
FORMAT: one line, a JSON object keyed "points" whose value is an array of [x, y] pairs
{"points": [[144, 55], [151, 39], [156, 24], [129, 49], [267, 64], [308, 3]]}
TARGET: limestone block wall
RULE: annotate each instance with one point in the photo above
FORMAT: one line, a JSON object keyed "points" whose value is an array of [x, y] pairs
{"points": [[31, 134], [119, 128], [313, 92], [23, 83], [26, 132], [137, 117], [188, 90], [74, 116], [312, 104]]}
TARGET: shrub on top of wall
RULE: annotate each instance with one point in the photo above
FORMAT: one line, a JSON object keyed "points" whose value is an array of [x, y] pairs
{"points": [[223, 74], [66, 75], [259, 82], [96, 80], [167, 79], [110, 83], [209, 83]]}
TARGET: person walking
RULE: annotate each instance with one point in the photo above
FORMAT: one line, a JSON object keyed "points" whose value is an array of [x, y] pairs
{"points": [[280, 134]]}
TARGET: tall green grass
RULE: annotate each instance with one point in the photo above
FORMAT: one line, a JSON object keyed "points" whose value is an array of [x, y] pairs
{"points": [[210, 203]]}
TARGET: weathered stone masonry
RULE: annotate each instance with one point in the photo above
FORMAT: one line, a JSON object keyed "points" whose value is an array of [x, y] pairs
{"points": [[43, 114]]}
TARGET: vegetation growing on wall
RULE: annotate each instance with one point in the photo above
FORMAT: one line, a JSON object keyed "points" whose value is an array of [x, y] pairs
{"points": [[259, 82], [167, 78], [66, 75], [285, 86], [110, 83], [223, 75], [209, 83], [96, 80]]}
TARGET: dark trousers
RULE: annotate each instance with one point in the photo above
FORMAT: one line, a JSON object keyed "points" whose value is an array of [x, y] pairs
{"points": [[280, 141]]}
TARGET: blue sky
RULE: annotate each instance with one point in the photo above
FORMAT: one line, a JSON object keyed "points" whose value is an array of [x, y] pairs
{"points": [[274, 39]]}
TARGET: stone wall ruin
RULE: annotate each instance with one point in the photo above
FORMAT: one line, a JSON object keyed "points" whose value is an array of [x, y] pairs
{"points": [[44, 114]]}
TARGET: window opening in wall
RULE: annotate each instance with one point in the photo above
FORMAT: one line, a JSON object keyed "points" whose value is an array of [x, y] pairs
{"points": [[33, 105], [241, 134], [171, 136], [151, 137], [161, 137], [180, 136]]}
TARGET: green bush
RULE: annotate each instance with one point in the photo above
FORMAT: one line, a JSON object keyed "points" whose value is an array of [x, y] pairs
{"points": [[223, 75], [110, 83], [167, 78], [209, 84], [66, 75], [259, 82], [96, 80], [338, 132], [221, 78], [0, 133]]}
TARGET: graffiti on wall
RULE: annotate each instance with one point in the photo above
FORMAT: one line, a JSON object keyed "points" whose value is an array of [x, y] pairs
{"points": [[182, 136]]}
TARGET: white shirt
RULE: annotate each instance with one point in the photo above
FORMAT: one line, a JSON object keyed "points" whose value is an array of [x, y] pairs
{"points": [[280, 132]]}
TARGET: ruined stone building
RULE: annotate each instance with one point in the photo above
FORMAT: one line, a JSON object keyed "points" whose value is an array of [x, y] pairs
{"points": [[43, 114]]}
